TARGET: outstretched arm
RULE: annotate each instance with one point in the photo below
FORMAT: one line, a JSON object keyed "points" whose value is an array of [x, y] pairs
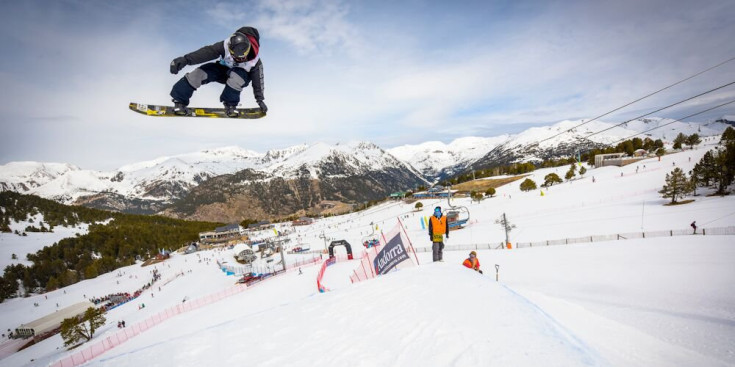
{"points": [[256, 75], [206, 53], [199, 56]]}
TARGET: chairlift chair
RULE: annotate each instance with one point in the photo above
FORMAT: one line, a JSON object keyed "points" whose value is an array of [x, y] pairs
{"points": [[371, 239]]}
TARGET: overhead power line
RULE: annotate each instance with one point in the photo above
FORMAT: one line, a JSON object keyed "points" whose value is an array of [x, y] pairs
{"points": [[661, 109], [677, 120], [642, 98]]}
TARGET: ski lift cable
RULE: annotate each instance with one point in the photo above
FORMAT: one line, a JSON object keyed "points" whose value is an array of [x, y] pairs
{"points": [[715, 220], [662, 108], [677, 120], [642, 98]]}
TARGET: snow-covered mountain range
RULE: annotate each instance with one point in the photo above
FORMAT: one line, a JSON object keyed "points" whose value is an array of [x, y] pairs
{"points": [[151, 186], [147, 187], [437, 160]]}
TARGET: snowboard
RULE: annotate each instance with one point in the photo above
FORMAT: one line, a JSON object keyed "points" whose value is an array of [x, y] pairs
{"points": [[168, 111]]}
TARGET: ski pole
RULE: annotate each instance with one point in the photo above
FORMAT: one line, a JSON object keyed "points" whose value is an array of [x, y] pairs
{"points": [[497, 271]]}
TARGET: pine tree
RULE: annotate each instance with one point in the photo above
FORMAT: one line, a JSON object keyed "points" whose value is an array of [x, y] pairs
{"points": [[679, 140], [724, 169], [490, 192], [704, 170], [418, 206], [582, 171], [476, 196], [728, 135], [528, 185], [693, 140], [52, 284], [551, 179], [677, 185], [75, 329]]}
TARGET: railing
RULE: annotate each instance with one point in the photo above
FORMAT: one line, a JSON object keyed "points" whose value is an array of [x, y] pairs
{"points": [[117, 338], [108, 342], [715, 231]]}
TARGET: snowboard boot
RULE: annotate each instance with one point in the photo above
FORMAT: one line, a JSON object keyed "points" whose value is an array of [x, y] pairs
{"points": [[180, 108], [231, 111]]}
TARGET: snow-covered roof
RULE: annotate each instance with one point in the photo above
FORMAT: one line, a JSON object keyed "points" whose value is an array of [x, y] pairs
{"points": [[53, 320]]}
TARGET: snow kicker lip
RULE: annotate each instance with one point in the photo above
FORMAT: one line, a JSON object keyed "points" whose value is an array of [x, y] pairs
{"points": [[167, 111]]}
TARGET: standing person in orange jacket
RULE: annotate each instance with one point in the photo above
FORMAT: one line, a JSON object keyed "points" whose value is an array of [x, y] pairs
{"points": [[437, 229], [473, 262]]}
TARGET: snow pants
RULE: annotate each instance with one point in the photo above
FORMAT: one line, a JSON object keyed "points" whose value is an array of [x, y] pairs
{"points": [[437, 250], [234, 79]]}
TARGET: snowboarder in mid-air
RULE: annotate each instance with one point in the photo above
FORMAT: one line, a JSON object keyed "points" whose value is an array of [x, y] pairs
{"points": [[239, 64]]}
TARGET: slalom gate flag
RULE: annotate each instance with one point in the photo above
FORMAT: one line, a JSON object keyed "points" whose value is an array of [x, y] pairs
{"points": [[392, 254]]}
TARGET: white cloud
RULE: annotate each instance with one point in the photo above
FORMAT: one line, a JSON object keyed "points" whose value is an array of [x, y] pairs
{"points": [[309, 25], [332, 74]]}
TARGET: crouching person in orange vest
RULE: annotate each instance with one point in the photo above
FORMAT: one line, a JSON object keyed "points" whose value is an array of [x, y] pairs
{"points": [[473, 262], [437, 229]]}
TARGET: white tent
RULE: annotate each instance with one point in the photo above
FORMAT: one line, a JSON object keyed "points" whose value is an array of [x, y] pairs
{"points": [[52, 321]]}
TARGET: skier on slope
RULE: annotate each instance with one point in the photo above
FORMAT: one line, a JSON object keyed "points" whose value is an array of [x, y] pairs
{"points": [[239, 63]]}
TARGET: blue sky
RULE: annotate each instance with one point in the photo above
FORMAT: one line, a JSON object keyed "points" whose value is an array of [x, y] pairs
{"points": [[390, 72]]}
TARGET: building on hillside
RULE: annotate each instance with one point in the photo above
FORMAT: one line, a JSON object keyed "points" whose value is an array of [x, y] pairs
{"points": [[222, 234], [303, 221], [51, 322], [612, 159], [398, 195], [640, 153], [435, 192], [262, 225]]}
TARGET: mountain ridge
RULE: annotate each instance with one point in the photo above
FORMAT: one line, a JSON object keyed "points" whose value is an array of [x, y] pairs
{"points": [[306, 175]]}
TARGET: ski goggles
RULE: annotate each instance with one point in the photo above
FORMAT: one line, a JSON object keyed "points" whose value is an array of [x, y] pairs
{"points": [[240, 55]]}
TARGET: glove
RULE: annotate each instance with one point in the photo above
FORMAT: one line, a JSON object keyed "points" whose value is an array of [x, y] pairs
{"points": [[262, 105], [177, 64]]}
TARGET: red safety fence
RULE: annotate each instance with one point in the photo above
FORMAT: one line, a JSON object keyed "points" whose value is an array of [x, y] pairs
{"points": [[320, 276], [327, 263], [108, 342]]}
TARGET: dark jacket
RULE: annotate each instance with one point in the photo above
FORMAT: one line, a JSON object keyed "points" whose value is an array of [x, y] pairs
{"points": [[217, 50]]}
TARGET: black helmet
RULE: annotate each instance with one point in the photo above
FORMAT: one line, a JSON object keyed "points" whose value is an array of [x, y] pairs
{"points": [[239, 47]]}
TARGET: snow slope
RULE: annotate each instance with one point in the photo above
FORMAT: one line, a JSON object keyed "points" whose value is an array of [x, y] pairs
{"points": [[639, 302], [11, 243]]}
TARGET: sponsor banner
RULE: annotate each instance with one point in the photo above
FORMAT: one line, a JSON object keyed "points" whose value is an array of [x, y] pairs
{"points": [[392, 254]]}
